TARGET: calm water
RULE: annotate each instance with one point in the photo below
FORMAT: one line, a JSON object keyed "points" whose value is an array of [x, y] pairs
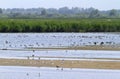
{"points": [[53, 73], [24, 40]]}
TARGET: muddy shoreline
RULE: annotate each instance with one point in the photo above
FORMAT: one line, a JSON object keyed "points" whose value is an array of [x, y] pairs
{"points": [[61, 63], [89, 47]]}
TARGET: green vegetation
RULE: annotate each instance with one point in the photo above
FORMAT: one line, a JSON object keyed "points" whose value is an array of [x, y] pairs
{"points": [[63, 12], [60, 25]]}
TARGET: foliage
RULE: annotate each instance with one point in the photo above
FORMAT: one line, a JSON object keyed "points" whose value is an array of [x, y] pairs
{"points": [[60, 25], [1, 11], [63, 12]]}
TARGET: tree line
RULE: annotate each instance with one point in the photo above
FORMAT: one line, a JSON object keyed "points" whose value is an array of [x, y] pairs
{"points": [[59, 25], [63, 12]]}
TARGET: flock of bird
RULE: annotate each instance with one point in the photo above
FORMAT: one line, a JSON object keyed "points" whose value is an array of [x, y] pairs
{"points": [[26, 41]]}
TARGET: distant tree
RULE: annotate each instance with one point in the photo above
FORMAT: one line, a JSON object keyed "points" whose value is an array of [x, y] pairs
{"points": [[113, 12], [64, 10], [76, 10], [1, 11], [43, 12], [52, 11], [94, 13], [15, 15]]}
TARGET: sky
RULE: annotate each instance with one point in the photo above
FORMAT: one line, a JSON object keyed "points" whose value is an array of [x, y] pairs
{"points": [[98, 4]]}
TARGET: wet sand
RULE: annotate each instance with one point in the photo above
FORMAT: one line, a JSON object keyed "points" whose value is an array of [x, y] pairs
{"points": [[89, 47], [61, 63]]}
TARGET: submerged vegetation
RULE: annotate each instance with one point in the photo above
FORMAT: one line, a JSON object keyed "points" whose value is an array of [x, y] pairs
{"points": [[60, 25]]}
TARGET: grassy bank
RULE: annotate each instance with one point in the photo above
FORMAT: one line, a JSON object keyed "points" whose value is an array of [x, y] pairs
{"points": [[60, 25]]}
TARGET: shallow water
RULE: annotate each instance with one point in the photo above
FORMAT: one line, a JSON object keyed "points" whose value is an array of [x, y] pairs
{"points": [[12, 72], [23, 40], [77, 54]]}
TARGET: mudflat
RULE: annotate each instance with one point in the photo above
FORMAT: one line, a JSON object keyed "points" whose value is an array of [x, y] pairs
{"points": [[89, 47], [61, 63]]}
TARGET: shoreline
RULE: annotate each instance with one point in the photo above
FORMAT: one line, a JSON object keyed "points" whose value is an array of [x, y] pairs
{"points": [[89, 47], [61, 63]]}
